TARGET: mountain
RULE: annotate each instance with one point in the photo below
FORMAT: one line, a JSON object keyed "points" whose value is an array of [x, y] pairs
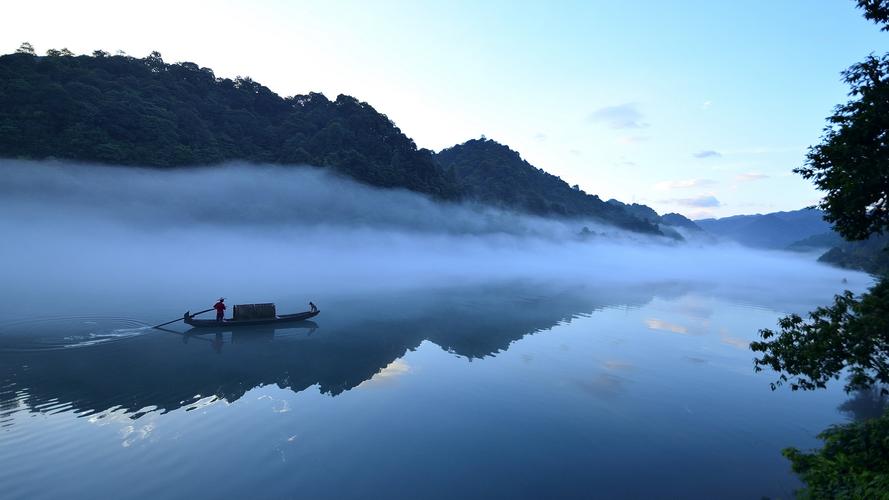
{"points": [[818, 241], [776, 230], [123, 110], [803, 231], [643, 212], [129, 111], [495, 174], [679, 220], [871, 255]]}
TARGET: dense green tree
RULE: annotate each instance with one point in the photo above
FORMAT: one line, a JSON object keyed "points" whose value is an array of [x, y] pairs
{"points": [[120, 109], [495, 174], [123, 110], [877, 11], [852, 464], [851, 336], [852, 161], [26, 48], [851, 164]]}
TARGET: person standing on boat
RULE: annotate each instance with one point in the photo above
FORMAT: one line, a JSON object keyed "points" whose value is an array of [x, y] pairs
{"points": [[220, 309]]}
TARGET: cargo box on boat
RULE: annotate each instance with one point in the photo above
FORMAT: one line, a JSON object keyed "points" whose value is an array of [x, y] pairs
{"points": [[242, 312]]}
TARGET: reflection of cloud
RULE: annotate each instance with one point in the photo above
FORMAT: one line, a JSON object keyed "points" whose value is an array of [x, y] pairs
{"points": [[684, 184], [619, 117], [703, 201], [613, 364], [656, 324], [393, 370], [725, 338], [709, 153], [603, 386], [697, 361], [735, 342], [695, 309], [750, 176]]}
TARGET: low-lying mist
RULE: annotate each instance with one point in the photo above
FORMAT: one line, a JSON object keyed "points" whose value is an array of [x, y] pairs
{"points": [[95, 239]]}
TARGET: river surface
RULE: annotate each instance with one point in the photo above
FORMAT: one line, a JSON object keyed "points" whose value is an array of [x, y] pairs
{"points": [[502, 390]]}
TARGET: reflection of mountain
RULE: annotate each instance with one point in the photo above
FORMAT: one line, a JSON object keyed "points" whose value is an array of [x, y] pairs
{"points": [[169, 370], [865, 404]]}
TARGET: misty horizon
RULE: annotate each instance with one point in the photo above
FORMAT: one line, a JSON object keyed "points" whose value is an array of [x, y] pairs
{"points": [[84, 230]]}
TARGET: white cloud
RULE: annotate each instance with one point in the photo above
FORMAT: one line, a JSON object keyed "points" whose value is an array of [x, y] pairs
{"points": [[750, 176], [621, 116], [708, 153]]}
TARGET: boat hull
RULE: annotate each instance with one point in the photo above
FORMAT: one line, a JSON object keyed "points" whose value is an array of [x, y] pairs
{"points": [[281, 318]]}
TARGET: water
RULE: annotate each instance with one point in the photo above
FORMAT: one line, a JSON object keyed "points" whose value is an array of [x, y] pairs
{"points": [[461, 351], [511, 389]]}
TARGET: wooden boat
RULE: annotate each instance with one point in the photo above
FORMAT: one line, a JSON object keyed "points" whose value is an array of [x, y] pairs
{"points": [[280, 318]]}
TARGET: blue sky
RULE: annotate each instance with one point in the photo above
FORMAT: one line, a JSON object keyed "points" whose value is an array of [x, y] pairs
{"points": [[699, 107]]}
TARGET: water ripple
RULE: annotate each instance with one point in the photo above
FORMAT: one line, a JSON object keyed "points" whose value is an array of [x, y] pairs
{"points": [[67, 332]]}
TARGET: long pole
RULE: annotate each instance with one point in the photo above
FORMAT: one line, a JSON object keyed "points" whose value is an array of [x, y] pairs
{"points": [[180, 319]]}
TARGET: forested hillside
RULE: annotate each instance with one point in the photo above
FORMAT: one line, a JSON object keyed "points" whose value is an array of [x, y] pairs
{"points": [[124, 110], [493, 173], [129, 111]]}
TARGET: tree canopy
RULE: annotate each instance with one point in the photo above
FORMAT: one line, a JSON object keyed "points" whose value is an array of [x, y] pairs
{"points": [[877, 11], [495, 174], [851, 164], [123, 110], [851, 336]]}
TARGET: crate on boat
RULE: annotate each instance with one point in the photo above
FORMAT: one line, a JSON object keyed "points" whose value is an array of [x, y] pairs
{"points": [[253, 311]]}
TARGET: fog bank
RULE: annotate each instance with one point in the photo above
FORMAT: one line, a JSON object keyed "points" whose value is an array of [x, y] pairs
{"points": [[96, 239]]}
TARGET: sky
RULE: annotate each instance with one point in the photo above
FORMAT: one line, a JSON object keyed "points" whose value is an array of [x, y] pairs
{"points": [[697, 107]]}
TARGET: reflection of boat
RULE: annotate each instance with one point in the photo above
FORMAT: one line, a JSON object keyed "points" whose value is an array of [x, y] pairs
{"points": [[280, 318], [265, 329]]}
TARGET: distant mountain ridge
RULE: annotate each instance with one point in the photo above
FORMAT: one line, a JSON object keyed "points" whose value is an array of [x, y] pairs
{"points": [[803, 231], [871, 255], [129, 111], [776, 230]]}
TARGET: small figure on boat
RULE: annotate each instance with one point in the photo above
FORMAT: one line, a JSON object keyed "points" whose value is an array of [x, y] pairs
{"points": [[220, 309], [313, 307]]}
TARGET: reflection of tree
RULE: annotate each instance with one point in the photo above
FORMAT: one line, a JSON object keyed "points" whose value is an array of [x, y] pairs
{"points": [[160, 370], [865, 404]]}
